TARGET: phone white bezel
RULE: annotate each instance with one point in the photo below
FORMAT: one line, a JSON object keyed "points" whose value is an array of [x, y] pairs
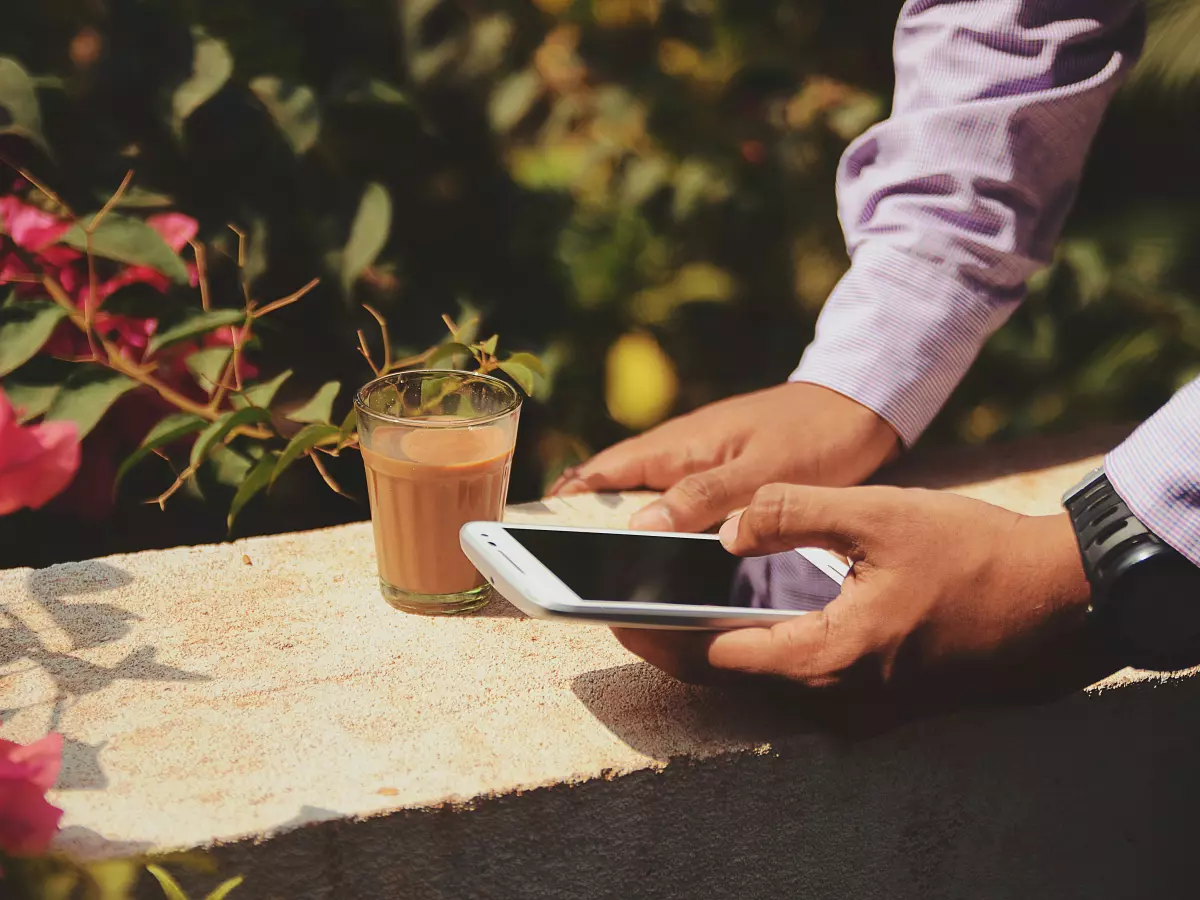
{"points": [[530, 586]]}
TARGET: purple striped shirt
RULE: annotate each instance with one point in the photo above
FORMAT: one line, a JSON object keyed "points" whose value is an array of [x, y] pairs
{"points": [[950, 205]]}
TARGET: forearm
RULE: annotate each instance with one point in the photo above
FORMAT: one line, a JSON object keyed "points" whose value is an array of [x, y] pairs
{"points": [[959, 196], [1157, 472]]}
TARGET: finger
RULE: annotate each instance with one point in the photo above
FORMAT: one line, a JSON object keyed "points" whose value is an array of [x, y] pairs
{"points": [[782, 517], [699, 500], [640, 461], [791, 649]]}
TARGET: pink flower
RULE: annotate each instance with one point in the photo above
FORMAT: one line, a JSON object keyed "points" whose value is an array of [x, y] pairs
{"points": [[36, 462], [31, 228], [28, 821], [174, 228]]}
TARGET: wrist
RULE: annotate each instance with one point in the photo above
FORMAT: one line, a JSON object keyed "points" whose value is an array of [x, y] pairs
{"points": [[1058, 568], [877, 440]]}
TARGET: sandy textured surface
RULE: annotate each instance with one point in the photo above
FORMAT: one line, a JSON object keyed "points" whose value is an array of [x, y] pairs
{"points": [[210, 693]]}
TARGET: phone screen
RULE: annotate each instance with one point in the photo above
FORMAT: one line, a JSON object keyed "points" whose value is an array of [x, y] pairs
{"points": [[653, 569]]}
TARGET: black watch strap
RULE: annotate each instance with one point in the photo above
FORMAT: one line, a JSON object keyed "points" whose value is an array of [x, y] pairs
{"points": [[1111, 538]]}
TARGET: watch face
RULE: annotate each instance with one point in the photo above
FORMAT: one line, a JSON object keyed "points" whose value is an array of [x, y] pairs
{"points": [[1156, 611]]}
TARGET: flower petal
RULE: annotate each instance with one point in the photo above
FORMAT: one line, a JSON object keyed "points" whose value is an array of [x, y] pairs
{"points": [[28, 822], [174, 228], [31, 228], [42, 759], [36, 462]]}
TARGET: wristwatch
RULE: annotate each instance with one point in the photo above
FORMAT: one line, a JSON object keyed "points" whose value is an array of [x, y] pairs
{"points": [[1145, 593]]}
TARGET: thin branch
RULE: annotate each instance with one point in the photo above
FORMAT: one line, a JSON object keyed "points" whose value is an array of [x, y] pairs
{"points": [[387, 343], [285, 301], [201, 253], [362, 348], [223, 386], [241, 235], [239, 337], [328, 479], [112, 201], [241, 264], [416, 360], [449, 323], [89, 303], [45, 191]]}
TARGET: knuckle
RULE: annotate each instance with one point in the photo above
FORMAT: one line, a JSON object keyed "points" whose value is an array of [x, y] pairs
{"points": [[701, 489], [772, 506]]}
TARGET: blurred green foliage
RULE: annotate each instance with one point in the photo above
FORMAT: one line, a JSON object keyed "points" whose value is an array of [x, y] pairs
{"points": [[642, 190]]}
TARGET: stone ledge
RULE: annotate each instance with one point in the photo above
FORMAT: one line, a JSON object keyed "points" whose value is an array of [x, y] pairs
{"points": [[261, 691]]}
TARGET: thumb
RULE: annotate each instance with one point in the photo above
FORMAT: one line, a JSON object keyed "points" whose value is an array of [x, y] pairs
{"points": [[786, 516], [697, 501]]}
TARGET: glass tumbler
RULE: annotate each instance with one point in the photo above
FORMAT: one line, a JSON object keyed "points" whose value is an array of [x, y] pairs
{"points": [[438, 448]]}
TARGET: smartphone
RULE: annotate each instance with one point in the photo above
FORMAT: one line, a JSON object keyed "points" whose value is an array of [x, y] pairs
{"points": [[647, 579]]}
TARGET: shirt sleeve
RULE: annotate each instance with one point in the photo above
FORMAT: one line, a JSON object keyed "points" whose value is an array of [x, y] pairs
{"points": [[950, 204], [1157, 472]]}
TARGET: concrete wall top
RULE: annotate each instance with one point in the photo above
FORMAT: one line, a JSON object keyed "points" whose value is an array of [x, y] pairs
{"points": [[218, 692]]}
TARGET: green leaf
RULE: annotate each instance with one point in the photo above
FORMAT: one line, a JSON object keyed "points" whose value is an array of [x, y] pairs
{"points": [[19, 110], [87, 395], [208, 365], [211, 67], [169, 885], [374, 91], [349, 423], [260, 394], [521, 374], [512, 100], [196, 323], [33, 387], [30, 399], [529, 361], [433, 392], [140, 198], [25, 326], [368, 234], [223, 890], [131, 241], [644, 177], [489, 346], [216, 431], [294, 109], [448, 355], [320, 407], [308, 437], [257, 479], [226, 467], [166, 432], [114, 879]]}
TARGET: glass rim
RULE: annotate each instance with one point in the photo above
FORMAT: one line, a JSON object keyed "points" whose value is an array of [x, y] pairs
{"points": [[513, 404]]}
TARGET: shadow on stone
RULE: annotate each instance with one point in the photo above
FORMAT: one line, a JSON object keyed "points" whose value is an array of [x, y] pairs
{"points": [[498, 608], [81, 770], [87, 624], [663, 718], [83, 843]]}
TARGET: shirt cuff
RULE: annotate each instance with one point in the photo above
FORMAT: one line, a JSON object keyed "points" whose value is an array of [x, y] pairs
{"points": [[897, 335], [1157, 472]]}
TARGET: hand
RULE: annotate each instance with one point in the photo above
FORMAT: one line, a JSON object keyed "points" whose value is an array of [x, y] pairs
{"points": [[950, 599], [711, 461]]}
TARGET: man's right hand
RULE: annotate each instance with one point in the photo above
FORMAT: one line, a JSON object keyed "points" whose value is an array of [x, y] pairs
{"points": [[711, 461]]}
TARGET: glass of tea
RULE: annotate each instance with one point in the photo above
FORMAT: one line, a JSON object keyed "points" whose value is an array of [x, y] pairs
{"points": [[438, 449]]}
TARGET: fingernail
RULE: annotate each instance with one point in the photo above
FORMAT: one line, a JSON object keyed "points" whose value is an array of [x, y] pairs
{"points": [[729, 530], [652, 518]]}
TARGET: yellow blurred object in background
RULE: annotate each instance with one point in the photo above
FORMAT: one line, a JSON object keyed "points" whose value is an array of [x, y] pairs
{"points": [[640, 381]]}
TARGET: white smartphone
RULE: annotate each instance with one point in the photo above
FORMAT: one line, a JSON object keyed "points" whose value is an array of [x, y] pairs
{"points": [[647, 579]]}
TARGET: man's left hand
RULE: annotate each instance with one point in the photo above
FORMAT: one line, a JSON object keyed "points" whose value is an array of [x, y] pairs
{"points": [[949, 600]]}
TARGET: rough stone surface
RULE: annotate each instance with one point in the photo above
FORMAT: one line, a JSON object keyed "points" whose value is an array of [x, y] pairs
{"points": [[262, 691]]}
